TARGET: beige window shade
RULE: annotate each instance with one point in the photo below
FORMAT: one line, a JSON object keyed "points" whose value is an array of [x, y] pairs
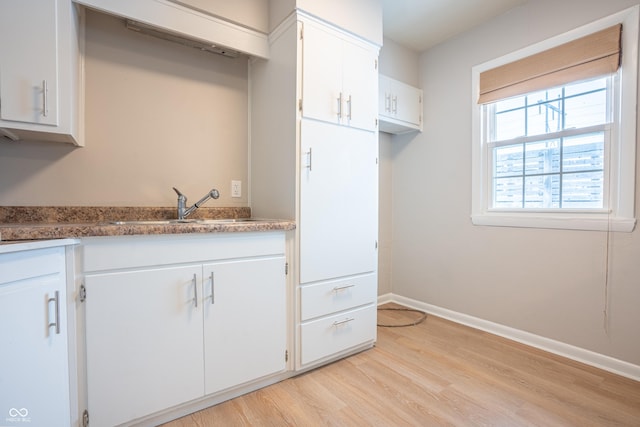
{"points": [[594, 55]]}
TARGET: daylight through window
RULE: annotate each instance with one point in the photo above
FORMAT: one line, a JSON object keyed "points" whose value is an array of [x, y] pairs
{"points": [[554, 130], [548, 147]]}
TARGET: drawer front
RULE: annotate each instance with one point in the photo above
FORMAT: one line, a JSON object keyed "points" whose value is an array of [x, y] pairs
{"points": [[330, 335], [337, 295], [22, 265]]}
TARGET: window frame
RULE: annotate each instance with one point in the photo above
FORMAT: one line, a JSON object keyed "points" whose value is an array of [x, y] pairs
{"points": [[621, 151]]}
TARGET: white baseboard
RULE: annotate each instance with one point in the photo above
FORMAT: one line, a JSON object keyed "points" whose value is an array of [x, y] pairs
{"points": [[578, 354]]}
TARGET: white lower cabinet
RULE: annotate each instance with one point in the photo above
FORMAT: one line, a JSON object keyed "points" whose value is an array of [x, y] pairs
{"points": [[334, 334], [337, 316], [34, 373], [144, 342], [169, 322], [244, 321]]}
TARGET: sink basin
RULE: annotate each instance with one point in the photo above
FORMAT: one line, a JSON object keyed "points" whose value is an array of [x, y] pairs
{"points": [[153, 222], [181, 221], [224, 221]]}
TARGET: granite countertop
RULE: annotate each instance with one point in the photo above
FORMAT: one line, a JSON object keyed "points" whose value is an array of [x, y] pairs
{"points": [[39, 223]]}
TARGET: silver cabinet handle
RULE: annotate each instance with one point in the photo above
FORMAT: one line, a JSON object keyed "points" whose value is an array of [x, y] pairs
{"points": [[349, 104], [340, 106], [342, 322], [387, 102], [342, 288], [45, 89], [309, 159], [195, 290], [213, 298], [395, 104], [56, 301]]}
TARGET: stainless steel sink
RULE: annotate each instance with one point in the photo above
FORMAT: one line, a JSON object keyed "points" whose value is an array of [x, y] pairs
{"points": [[181, 221], [153, 222], [225, 221]]}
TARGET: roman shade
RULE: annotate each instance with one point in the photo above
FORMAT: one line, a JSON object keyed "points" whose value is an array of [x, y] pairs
{"points": [[594, 55]]}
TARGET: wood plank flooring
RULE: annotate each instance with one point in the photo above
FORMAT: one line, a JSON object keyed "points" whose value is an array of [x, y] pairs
{"points": [[437, 373]]}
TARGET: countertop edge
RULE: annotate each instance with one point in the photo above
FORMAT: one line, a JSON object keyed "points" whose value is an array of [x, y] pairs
{"points": [[10, 233]]}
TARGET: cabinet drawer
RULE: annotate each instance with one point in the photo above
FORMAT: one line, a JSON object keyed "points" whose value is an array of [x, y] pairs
{"points": [[22, 265], [337, 295], [330, 335]]}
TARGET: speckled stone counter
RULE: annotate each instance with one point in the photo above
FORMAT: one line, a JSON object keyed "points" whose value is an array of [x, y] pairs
{"points": [[37, 223]]}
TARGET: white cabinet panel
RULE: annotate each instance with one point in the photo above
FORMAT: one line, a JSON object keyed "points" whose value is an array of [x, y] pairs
{"points": [[339, 78], [144, 342], [23, 81], [40, 72], [326, 336], [173, 319], [337, 295], [400, 106], [244, 321], [338, 202], [34, 373]]}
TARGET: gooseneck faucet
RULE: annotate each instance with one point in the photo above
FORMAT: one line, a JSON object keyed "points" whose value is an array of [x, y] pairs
{"points": [[183, 211]]}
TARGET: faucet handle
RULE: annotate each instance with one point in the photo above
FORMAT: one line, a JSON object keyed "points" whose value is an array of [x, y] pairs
{"points": [[178, 192]]}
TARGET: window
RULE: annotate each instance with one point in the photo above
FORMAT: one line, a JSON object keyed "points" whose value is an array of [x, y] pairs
{"points": [[547, 148], [558, 156]]}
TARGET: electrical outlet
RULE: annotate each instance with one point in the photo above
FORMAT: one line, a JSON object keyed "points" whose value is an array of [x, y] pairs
{"points": [[236, 188]]}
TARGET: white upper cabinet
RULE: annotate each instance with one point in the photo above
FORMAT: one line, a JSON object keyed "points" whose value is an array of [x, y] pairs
{"points": [[187, 22], [339, 78], [40, 77], [399, 106]]}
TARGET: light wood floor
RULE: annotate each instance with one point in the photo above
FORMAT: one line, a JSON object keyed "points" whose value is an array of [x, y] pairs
{"points": [[433, 374]]}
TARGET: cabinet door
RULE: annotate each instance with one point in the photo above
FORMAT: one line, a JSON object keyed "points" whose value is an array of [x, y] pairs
{"points": [[338, 201], [400, 106], [28, 64], [360, 86], [144, 342], [245, 321], [339, 79], [322, 95], [34, 373], [409, 104]]}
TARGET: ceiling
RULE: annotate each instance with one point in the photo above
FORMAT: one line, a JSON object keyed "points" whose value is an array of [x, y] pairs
{"points": [[421, 24]]}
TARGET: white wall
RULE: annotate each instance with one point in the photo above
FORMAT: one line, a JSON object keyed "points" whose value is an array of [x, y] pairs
{"points": [[547, 282], [158, 115]]}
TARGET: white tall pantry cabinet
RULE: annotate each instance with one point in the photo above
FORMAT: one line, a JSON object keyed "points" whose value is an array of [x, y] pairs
{"points": [[314, 157]]}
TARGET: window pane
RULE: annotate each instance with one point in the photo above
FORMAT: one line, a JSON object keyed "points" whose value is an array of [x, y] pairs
{"points": [[588, 86], [583, 190], [507, 193], [583, 153], [544, 118], [509, 125], [586, 110], [550, 173], [510, 104], [542, 157], [508, 160], [544, 95], [542, 192]]}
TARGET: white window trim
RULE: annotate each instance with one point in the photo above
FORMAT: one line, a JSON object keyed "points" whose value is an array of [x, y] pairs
{"points": [[623, 147]]}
